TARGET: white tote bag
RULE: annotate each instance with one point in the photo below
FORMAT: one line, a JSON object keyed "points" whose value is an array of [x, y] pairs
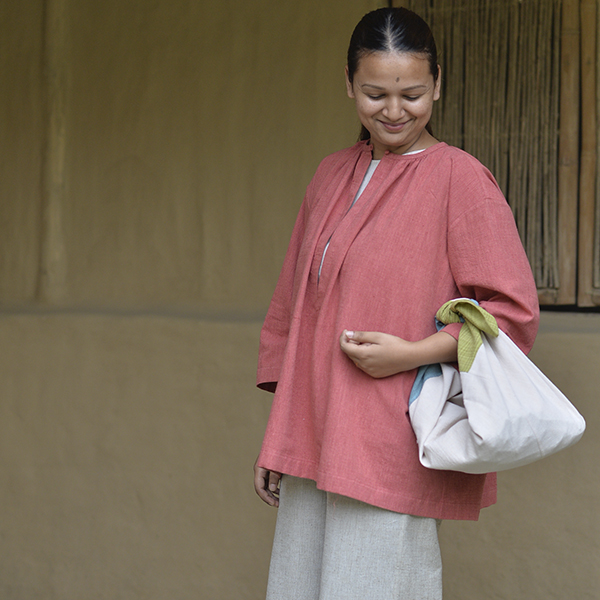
{"points": [[497, 412]]}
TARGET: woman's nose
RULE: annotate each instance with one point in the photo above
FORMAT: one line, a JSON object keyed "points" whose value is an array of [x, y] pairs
{"points": [[394, 109]]}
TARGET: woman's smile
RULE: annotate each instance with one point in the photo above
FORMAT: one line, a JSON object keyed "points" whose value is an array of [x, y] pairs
{"points": [[394, 127]]}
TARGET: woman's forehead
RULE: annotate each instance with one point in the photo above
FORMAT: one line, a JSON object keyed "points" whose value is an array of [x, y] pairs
{"points": [[393, 65]]}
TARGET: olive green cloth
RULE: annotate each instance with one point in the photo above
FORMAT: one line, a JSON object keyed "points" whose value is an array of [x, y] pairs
{"points": [[476, 320]]}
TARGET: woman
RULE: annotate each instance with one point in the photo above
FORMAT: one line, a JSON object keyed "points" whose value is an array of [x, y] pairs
{"points": [[389, 230]]}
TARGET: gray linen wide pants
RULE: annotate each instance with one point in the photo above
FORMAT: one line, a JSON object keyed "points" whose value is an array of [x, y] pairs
{"points": [[329, 547]]}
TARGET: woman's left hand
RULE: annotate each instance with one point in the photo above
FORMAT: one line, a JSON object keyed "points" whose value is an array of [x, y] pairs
{"points": [[378, 354], [382, 354]]}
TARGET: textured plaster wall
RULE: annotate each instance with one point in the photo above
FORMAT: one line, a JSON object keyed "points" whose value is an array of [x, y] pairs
{"points": [[174, 140], [21, 135], [126, 448], [154, 156]]}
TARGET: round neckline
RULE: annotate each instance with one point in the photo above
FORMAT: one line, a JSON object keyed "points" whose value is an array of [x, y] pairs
{"points": [[368, 147]]}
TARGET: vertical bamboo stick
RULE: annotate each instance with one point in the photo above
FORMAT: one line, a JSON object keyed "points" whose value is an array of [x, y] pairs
{"points": [[549, 121], [512, 112], [568, 169], [587, 181], [52, 270], [596, 259]]}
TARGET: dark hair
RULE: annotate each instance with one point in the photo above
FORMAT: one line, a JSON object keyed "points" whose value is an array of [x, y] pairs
{"points": [[391, 30]]}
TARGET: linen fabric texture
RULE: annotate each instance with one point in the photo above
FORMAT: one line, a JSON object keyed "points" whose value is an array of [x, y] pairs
{"points": [[428, 227], [329, 547], [497, 411]]}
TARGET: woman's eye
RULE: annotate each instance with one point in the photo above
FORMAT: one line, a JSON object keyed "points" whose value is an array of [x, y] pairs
{"points": [[412, 97], [375, 97]]}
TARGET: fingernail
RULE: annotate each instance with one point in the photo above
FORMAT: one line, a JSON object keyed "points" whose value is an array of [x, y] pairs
{"points": [[273, 487], [349, 334]]}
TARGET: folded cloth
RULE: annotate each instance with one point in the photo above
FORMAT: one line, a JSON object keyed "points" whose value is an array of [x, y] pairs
{"points": [[497, 411]]}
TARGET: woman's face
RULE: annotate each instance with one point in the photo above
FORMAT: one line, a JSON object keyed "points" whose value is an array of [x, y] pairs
{"points": [[394, 94]]}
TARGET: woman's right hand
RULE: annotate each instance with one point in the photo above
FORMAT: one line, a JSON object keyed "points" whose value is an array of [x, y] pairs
{"points": [[266, 484]]}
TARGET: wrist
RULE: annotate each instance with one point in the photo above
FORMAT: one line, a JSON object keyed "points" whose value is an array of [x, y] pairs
{"points": [[440, 347]]}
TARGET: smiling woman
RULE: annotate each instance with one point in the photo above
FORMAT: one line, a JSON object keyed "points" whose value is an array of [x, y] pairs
{"points": [[390, 229]]}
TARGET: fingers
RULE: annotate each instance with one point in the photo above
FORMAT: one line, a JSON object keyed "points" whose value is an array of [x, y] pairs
{"points": [[361, 337], [274, 479], [355, 344], [347, 337], [266, 485]]}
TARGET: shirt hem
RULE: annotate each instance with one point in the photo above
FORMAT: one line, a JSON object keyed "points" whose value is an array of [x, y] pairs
{"points": [[383, 498]]}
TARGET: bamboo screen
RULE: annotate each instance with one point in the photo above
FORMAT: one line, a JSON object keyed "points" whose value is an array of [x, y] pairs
{"points": [[500, 97], [596, 260], [589, 181]]}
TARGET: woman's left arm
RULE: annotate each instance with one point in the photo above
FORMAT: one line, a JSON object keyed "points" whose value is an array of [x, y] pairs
{"points": [[488, 264]]}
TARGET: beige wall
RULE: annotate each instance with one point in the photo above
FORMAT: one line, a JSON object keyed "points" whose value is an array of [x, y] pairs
{"points": [[177, 139], [126, 448], [150, 173]]}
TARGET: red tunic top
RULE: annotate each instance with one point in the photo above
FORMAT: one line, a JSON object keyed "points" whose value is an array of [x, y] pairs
{"points": [[429, 227]]}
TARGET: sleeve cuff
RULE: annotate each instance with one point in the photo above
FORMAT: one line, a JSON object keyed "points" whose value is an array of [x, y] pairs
{"points": [[452, 329], [266, 378]]}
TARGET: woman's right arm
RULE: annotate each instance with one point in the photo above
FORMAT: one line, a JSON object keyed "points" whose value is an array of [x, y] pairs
{"points": [[273, 340]]}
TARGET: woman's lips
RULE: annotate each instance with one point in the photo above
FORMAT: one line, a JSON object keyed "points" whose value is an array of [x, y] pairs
{"points": [[393, 127]]}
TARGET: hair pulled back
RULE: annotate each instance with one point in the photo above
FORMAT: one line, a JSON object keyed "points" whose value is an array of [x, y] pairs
{"points": [[391, 30]]}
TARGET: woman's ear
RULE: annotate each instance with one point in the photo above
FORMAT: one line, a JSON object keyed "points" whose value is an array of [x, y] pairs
{"points": [[349, 88], [438, 84]]}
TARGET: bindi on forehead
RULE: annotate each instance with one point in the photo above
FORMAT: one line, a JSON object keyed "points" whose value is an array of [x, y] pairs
{"points": [[397, 79]]}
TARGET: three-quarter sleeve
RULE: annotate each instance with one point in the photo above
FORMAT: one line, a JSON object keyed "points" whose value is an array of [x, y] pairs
{"points": [[274, 333], [486, 255]]}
